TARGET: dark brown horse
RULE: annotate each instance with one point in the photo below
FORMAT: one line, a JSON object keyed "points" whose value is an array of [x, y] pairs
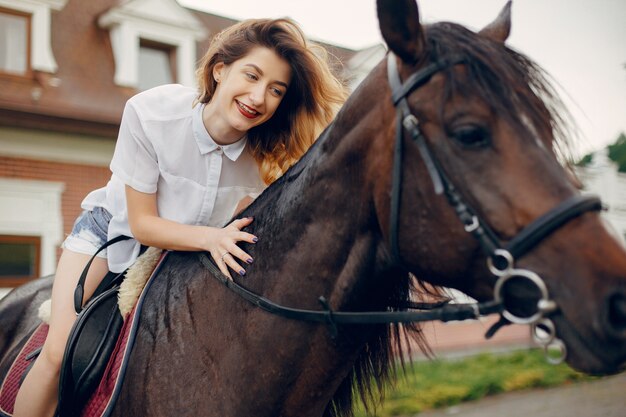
{"points": [[332, 227]]}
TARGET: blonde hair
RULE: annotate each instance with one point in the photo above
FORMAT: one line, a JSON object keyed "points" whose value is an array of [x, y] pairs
{"points": [[311, 102]]}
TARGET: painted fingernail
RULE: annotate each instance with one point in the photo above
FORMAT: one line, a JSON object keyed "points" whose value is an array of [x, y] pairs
{"points": [[250, 260], [242, 272], [255, 239], [251, 217]]}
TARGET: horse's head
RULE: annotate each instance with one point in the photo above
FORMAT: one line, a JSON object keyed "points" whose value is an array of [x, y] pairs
{"points": [[479, 147]]}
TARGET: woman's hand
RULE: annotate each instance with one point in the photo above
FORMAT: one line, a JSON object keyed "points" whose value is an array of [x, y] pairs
{"points": [[222, 244], [151, 230]]}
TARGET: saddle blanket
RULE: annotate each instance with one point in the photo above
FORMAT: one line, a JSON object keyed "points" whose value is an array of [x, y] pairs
{"points": [[12, 382], [103, 399]]}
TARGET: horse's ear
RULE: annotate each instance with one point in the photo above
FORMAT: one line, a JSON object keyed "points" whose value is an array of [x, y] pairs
{"points": [[401, 29], [499, 29]]}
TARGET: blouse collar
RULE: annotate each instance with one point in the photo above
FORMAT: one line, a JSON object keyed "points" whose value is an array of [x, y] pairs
{"points": [[206, 143]]}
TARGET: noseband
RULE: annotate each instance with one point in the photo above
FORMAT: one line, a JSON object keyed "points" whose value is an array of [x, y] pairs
{"points": [[500, 256]]}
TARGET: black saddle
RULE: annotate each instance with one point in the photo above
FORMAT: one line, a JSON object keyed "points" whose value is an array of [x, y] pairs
{"points": [[89, 347], [91, 341]]}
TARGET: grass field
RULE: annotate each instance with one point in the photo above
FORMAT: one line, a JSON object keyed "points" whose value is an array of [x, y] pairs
{"points": [[441, 383]]}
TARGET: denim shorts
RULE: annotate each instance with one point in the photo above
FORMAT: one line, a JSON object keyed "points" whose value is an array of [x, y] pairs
{"points": [[89, 232]]}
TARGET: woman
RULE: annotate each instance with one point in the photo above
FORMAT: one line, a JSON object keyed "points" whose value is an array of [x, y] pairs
{"points": [[185, 163]]}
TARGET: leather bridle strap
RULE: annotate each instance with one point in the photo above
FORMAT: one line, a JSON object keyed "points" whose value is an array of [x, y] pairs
{"points": [[404, 119], [444, 313], [493, 248], [80, 286], [551, 221]]}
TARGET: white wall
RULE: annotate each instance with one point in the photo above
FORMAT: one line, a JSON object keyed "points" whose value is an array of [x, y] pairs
{"points": [[33, 208]]}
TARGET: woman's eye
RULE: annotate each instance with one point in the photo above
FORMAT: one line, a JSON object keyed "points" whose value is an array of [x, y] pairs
{"points": [[277, 92], [251, 76], [471, 136]]}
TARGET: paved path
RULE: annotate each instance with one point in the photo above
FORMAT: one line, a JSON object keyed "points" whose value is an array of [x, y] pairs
{"points": [[605, 397]]}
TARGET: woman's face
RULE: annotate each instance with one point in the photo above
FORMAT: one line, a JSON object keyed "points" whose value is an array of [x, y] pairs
{"points": [[248, 93]]}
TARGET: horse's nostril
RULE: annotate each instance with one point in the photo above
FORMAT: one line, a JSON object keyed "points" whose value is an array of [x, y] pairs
{"points": [[617, 314]]}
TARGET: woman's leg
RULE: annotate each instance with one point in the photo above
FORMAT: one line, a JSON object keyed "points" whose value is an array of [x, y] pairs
{"points": [[38, 394]]}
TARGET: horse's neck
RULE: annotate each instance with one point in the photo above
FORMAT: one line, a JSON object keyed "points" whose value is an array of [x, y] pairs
{"points": [[320, 222]]}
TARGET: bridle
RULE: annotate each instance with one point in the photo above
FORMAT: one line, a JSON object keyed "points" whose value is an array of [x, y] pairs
{"points": [[500, 257]]}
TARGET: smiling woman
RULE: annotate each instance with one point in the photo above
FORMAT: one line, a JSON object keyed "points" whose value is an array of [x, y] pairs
{"points": [[251, 87], [310, 92], [186, 162]]}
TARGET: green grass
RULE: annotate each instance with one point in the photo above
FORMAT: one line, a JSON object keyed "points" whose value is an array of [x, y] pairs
{"points": [[442, 383]]}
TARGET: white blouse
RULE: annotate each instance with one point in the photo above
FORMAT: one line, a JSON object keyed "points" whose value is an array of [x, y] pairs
{"points": [[164, 148]]}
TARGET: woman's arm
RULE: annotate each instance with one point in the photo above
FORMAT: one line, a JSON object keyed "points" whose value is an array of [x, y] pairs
{"points": [[151, 230]]}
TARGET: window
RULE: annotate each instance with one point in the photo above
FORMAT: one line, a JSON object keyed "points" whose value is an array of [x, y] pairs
{"points": [[165, 37], [156, 64], [14, 42], [19, 259], [30, 208]]}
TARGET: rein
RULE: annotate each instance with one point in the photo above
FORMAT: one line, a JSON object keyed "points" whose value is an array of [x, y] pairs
{"points": [[500, 256], [437, 311]]}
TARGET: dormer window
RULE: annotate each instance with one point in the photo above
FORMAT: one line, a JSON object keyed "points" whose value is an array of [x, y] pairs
{"points": [[14, 42], [25, 36], [157, 64], [153, 41]]}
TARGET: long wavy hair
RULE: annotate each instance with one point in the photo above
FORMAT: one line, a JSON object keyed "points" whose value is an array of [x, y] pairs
{"points": [[313, 98]]}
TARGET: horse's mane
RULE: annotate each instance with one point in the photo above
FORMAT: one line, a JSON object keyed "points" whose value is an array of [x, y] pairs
{"points": [[514, 86]]}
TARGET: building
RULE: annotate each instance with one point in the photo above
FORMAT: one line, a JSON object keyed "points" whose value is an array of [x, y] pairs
{"points": [[66, 71]]}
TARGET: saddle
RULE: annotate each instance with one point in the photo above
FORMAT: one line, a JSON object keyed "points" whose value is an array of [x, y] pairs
{"points": [[89, 347], [92, 339]]}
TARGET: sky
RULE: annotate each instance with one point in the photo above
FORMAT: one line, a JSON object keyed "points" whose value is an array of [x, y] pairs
{"points": [[580, 43]]}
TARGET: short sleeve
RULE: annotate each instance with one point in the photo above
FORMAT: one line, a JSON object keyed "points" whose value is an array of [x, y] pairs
{"points": [[135, 161]]}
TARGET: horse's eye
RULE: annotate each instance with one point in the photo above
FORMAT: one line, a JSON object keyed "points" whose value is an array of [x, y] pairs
{"points": [[471, 136]]}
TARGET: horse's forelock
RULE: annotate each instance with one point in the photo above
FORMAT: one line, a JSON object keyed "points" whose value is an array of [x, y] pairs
{"points": [[508, 81]]}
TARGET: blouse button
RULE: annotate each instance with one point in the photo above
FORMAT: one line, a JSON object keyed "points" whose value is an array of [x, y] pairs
{"points": [[219, 150]]}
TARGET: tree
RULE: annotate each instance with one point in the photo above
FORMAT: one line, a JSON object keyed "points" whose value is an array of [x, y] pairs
{"points": [[617, 152]]}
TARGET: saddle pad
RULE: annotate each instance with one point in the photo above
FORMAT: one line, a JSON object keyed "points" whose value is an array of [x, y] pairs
{"points": [[11, 383]]}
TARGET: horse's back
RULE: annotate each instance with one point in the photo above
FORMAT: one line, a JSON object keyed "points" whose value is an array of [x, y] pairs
{"points": [[18, 313]]}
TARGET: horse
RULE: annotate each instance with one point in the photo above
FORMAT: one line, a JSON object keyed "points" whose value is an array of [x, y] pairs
{"points": [[443, 169]]}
